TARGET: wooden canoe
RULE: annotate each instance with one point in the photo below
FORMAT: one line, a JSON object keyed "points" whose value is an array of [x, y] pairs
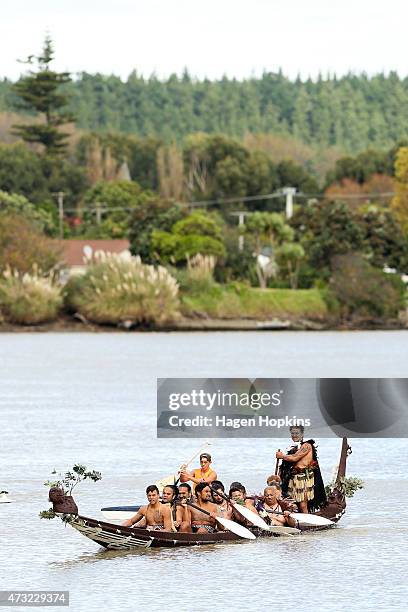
{"points": [[117, 537]]}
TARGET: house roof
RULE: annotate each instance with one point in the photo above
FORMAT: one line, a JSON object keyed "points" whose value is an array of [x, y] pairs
{"points": [[73, 250]]}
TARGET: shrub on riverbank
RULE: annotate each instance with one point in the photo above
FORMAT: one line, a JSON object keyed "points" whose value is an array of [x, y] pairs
{"points": [[23, 245], [116, 290], [28, 299], [365, 292], [198, 276], [238, 301]]}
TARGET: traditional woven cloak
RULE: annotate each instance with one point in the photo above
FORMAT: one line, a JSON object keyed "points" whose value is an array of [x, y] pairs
{"points": [[285, 472], [306, 484]]}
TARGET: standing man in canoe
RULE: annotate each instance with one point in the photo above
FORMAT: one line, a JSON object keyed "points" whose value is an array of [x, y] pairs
{"points": [[156, 514], [202, 474], [300, 472]]}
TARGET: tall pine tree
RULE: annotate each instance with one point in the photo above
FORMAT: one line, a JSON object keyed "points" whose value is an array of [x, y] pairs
{"points": [[40, 92]]}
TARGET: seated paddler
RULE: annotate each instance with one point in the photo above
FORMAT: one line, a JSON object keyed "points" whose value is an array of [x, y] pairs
{"points": [[185, 492], [238, 494], [224, 508], [270, 509], [200, 521], [157, 516], [180, 518]]}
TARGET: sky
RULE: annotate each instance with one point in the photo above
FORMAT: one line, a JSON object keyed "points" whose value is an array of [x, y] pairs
{"points": [[237, 38]]}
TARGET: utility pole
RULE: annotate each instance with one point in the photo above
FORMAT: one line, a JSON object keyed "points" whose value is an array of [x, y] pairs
{"points": [[60, 199], [289, 192], [241, 222]]}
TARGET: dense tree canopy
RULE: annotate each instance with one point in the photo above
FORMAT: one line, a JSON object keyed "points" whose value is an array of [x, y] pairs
{"points": [[351, 112]]}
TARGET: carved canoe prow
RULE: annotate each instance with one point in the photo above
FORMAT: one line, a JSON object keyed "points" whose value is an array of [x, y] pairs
{"points": [[335, 506], [345, 452]]}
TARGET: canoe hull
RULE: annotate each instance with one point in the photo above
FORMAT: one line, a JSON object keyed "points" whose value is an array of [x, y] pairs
{"points": [[116, 537]]}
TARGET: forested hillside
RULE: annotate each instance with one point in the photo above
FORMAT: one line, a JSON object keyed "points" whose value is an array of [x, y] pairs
{"points": [[352, 112]]}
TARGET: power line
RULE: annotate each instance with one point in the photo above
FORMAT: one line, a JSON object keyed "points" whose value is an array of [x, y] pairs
{"points": [[346, 196], [232, 200], [267, 196], [196, 203]]}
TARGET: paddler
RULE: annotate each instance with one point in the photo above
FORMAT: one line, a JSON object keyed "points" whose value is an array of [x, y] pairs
{"points": [[156, 514], [300, 472], [185, 491], [179, 514], [169, 495], [200, 522], [224, 509], [237, 494], [270, 508], [204, 474]]}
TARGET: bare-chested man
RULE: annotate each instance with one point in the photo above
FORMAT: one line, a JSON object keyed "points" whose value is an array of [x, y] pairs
{"points": [[185, 491], [156, 514], [224, 509], [305, 484], [237, 494], [180, 518], [200, 522], [271, 505]]}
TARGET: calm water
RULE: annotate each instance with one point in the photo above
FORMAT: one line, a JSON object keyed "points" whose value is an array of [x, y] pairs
{"points": [[86, 398]]}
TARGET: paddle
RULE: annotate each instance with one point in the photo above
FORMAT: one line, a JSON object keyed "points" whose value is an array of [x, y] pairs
{"points": [[253, 518], [232, 526], [284, 530], [163, 482], [307, 519], [277, 465]]}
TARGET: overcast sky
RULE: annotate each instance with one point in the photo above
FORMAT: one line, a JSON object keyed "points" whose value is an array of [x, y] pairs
{"points": [[213, 37]]}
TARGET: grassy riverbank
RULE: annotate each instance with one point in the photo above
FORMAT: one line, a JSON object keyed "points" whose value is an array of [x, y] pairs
{"points": [[237, 301], [211, 306]]}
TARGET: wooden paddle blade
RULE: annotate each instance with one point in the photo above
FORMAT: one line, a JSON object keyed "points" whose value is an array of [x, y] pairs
{"points": [[310, 519], [236, 528], [253, 518], [284, 530], [164, 482]]}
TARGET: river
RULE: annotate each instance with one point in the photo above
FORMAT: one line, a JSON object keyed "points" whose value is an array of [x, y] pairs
{"points": [[90, 398]]}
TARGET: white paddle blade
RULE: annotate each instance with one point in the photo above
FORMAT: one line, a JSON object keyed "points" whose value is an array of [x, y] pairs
{"points": [[236, 528], [253, 518], [310, 519]]}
